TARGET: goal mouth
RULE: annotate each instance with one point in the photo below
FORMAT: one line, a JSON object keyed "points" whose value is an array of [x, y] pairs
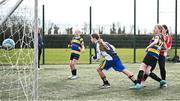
{"points": [[17, 64]]}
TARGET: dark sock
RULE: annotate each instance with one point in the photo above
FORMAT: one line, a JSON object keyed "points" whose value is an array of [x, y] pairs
{"points": [[74, 72], [145, 77], [140, 76], [163, 75], [155, 77], [105, 81], [135, 82]]}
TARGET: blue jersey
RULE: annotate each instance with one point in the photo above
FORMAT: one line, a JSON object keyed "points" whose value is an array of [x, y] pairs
{"points": [[76, 45], [155, 49]]}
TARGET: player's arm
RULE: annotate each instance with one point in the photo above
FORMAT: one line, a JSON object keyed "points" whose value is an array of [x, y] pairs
{"points": [[82, 45], [164, 46], [170, 42], [69, 44], [97, 53]]}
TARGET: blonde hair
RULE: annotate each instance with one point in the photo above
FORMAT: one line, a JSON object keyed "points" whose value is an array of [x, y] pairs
{"points": [[102, 45]]}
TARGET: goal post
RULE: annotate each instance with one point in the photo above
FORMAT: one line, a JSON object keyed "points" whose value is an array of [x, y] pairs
{"points": [[10, 12]]}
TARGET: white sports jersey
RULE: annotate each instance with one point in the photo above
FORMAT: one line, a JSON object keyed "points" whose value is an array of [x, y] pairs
{"points": [[108, 54]]}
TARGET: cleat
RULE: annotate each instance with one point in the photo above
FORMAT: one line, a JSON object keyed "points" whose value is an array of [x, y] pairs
{"points": [[137, 86], [105, 86], [165, 85], [73, 77], [162, 83]]}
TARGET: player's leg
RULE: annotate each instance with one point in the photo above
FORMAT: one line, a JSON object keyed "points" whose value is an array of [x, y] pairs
{"points": [[148, 60], [141, 72], [102, 66], [72, 65], [130, 75], [162, 67], [155, 77], [145, 77], [140, 75], [39, 57], [121, 68], [106, 83]]}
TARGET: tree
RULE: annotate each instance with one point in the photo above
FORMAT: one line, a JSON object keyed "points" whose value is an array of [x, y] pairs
{"points": [[113, 29], [85, 28], [124, 30], [56, 29], [49, 30], [119, 30], [101, 30], [139, 31], [69, 30]]}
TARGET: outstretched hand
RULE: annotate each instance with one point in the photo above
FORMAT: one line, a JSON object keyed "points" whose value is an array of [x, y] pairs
{"points": [[146, 49]]}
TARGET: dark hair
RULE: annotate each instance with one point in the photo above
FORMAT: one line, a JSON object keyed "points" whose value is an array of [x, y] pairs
{"points": [[166, 28], [102, 46], [95, 35]]}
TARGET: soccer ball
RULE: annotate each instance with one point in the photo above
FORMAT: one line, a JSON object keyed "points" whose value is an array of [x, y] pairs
{"points": [[8, 44]]}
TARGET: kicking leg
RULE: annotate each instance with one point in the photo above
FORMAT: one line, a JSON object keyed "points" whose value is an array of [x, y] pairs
{"points": [[130, 75], [155, 77]]}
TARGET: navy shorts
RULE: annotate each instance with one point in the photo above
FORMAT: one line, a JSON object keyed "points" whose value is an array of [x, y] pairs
{"points": [[74, 56], [150, 60], [116, 64]]}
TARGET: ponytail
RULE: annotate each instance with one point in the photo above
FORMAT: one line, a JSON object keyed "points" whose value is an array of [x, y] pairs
{"points": [[102, 45]]}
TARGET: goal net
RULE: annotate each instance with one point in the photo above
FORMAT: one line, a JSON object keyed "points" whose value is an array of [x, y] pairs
{"points": [[17, 67]]}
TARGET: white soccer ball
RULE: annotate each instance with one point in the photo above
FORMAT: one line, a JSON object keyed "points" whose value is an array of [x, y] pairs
{"points": [[8, 44]]}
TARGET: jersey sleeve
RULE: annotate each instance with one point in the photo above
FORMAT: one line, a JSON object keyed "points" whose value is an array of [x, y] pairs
{"points": [[97, 52], [81, 41], [156, 38]]}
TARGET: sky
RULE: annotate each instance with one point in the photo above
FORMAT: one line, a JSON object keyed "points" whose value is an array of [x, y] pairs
{"points": [[106, 12]]}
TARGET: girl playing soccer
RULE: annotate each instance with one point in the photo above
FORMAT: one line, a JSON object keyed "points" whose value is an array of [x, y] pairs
{"points": [[150, 60], [77, 46], [111, 60], [163, 54]]}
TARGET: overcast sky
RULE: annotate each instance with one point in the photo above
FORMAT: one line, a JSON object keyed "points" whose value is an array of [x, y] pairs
{"points": [[105, 12]]}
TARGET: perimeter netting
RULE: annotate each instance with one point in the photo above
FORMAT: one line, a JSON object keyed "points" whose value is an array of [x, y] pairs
{"points": [[16, 65]]}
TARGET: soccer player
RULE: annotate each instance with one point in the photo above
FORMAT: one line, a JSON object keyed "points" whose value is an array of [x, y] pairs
{"points": [[40, 46], [77, 46], [163, 54], [111, 60], [150, 60]]}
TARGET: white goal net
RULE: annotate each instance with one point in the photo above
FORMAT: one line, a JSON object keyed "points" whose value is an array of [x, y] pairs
{"points": [[17, 64]]}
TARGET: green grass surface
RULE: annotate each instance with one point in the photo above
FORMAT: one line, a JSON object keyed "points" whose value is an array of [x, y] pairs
{"points": [[61, 56], [16, 81], [54, 85], [16, 56]]}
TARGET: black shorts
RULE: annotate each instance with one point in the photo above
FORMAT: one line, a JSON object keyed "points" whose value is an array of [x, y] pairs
{"points": [[150, 60], [74, 56]]}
